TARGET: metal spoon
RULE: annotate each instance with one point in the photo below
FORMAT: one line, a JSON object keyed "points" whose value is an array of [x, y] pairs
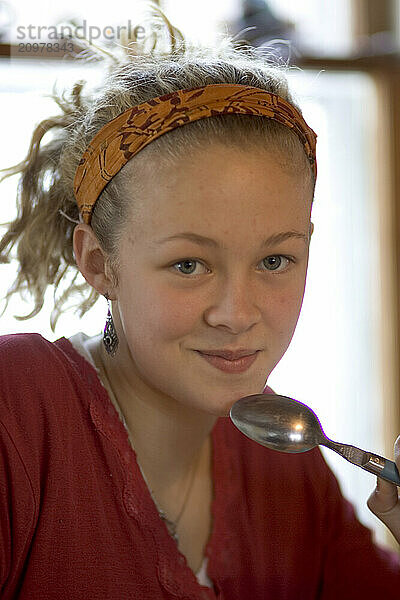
{"points": [[284, 424]]}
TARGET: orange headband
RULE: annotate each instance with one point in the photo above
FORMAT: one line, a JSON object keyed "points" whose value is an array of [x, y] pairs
{"points": [[132, 130]]}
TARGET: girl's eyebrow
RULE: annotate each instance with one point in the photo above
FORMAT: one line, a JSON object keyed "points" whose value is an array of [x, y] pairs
{"points": [[202, 240]]}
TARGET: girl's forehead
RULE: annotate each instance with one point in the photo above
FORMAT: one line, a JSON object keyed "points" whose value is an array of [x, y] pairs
{"points": [[224, 181], [214, 161], [223, 216], [222, 225]]}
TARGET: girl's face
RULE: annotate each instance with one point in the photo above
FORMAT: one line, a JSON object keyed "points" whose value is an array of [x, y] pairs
{"points": [[215, 259]]}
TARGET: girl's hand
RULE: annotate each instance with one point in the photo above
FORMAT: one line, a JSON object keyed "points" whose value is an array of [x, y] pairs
{"points": [[384, 501]]}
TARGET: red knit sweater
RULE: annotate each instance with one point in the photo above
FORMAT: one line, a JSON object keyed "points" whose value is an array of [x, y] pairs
{"points": [[77, 521]]}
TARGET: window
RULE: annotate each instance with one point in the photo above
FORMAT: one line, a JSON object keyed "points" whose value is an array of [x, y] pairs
{"points": [[334, 361]]}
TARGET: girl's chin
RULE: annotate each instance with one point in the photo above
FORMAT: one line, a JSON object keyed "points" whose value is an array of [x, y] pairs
{"points": [[223, 412], [218, 408], [224, 408]]}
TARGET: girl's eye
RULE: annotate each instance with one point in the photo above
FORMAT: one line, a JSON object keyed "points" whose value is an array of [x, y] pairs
{"points": [[273, 263], [188, 266]]}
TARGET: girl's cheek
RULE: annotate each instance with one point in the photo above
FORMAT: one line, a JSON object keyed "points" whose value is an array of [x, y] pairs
{"points": [[170, 314], [284, 309]]}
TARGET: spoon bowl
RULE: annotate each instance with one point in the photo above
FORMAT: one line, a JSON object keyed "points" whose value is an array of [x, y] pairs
{"points": [[277, 422]]}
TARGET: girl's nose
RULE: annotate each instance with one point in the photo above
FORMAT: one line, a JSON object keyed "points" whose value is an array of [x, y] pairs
{"points": [[234, 307]]}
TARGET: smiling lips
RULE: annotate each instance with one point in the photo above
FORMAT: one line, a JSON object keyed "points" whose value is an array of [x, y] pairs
{"points": [[230, 361], [229, 354]]}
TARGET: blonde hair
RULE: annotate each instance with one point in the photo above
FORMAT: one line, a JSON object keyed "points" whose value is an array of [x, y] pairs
{"points": [[42, 232]]}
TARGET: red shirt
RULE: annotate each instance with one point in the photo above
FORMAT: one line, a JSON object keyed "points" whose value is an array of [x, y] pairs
{"points": [[77, 521]]}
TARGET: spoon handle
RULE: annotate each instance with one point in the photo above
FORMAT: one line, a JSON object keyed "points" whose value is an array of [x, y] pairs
{"points": [[373, 463], [382, 467]]}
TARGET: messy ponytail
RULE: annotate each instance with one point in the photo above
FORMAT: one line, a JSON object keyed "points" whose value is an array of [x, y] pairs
{"points": [[42, 232]]}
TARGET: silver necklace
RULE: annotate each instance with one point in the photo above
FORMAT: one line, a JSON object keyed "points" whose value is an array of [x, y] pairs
{"points": [[170, 524]]}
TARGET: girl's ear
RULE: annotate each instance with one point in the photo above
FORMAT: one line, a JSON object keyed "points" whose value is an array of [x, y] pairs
{"points": [[311, 229], [90, 258]]}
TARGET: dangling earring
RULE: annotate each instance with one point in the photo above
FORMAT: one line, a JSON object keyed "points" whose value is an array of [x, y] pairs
{"points": [[110, 338]]}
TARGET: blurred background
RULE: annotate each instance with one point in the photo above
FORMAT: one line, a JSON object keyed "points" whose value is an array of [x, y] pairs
{"points": [[345, 72]]}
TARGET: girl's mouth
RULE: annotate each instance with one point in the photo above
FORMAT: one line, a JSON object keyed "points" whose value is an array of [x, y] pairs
{"points": [[239, 365]]}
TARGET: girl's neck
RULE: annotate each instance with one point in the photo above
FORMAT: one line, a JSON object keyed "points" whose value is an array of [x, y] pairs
{"points": [[169, 444]]}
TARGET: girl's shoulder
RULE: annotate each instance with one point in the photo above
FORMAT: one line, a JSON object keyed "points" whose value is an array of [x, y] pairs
{"points": [[25, 357], [17, 348], [39, 380]]}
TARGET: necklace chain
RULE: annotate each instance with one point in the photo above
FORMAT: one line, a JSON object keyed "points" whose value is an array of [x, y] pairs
{"points": [[170, 524]]}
